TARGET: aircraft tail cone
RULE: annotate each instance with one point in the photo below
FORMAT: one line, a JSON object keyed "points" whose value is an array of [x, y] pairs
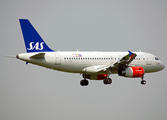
{"points": [[17, 56]]}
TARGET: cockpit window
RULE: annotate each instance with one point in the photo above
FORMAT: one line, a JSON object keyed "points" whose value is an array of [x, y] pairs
{"points": [[156, 58]]}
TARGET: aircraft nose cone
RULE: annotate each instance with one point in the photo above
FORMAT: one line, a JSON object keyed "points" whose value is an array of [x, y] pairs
{"points": [[163, 65]]}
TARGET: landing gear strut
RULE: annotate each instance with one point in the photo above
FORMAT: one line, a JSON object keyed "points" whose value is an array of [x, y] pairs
{"points": [[107, 80], [143, 82]]}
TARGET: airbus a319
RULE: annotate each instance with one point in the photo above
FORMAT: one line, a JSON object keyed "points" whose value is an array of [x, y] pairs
{"points": [[92, 65]]}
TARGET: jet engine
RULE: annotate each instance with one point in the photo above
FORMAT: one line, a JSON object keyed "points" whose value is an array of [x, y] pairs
{"points": [[131, 72], [95, 76]]}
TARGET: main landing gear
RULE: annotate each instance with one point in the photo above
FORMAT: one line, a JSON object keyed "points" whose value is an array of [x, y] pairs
{"points": [[84, 82], [143, 82], [107, 81]]}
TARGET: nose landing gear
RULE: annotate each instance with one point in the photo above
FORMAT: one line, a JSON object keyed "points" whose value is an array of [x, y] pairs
{"points": [[143, 82]]}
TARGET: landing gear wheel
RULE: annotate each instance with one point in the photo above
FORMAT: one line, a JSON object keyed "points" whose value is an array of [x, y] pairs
{"points": [[107, 81], [143, 82], [84, 82]]}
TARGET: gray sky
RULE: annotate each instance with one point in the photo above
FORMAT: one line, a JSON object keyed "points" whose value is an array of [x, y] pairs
{"points": [[29, 92]]}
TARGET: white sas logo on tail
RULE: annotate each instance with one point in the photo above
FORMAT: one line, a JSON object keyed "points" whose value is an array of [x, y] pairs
{"points": [[35, 46]]}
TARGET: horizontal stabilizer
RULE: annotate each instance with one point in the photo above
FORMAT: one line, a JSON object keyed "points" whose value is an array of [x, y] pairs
{"points": [[38, 56]]}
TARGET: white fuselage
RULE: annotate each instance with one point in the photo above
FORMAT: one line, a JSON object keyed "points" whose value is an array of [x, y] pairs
{"points": [[76, 62], [92, 65]]}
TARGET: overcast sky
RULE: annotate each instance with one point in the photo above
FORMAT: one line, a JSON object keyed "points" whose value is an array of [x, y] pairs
{"points": [[29, 92]]}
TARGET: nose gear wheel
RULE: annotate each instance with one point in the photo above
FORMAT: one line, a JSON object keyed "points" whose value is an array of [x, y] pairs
{"points": [[143, 82]]}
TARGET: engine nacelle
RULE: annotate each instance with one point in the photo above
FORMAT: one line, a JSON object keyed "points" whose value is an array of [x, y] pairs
{"points": [[131, 72], [95, 76]]}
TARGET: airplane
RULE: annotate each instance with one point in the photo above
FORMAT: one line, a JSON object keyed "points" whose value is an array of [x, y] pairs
{"points": [[92, 65]]}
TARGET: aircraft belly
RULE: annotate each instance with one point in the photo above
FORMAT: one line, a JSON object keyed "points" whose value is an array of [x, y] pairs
{"points": [[72, 68]]}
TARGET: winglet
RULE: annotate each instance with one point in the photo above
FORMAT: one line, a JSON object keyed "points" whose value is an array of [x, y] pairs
{"points": [[130, 53]]}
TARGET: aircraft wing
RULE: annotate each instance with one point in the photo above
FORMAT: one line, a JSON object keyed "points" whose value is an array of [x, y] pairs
{"points": [[125, 61]]}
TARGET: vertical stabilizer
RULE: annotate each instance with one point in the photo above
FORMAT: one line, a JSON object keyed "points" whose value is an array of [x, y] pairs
{"points": [[33, 41]]}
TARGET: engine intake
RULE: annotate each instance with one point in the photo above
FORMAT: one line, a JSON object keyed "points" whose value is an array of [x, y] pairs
{"points": [[131, 72]]}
